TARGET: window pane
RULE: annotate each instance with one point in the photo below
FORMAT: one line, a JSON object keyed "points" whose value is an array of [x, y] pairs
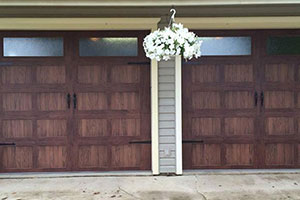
{"points": [[226, 46], [283, 45], [108, 47], [14, 47]]}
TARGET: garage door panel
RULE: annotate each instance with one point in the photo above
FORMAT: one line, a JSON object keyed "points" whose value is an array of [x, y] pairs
{"points": [[255, 97], [52, 128], [279, 73], [298, 148], [73, 112], [239, 154], [51, 101], [17, 128], [92, 101], [298, 69], [206, 155], [16, 75], [298, 127], [113, 111], [52, 157], [109, 119], [205, 73], [92, 74], [223, 113], [51, 74], [239, 73], [93, 127], [279, 126], [298, 100], [125, 74], [93, 156], [239, 100], [125, 101], [17, 157], [126, 156], [206, 100], [279, 99], [279, 154], [206, 126], [126, 127], [17, 101], [239, 126]]}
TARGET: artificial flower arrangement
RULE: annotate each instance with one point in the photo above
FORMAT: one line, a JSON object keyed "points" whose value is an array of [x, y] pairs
{"points": [[171, 41]]}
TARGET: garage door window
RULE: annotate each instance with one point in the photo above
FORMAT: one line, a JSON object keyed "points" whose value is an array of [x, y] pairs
{"points": [[32, 47], [283, 45], [226, 46], [109, 46]]}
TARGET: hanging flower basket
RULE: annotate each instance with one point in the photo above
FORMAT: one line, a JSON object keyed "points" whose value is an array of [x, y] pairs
{"points": [[171, 41]]}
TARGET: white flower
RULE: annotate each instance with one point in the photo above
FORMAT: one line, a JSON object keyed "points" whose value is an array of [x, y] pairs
{"points": [[167, 51], [163, 44]]}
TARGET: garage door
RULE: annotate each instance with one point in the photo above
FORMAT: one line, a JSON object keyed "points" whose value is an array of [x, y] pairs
{"points": [[74, 101], [241, 101]]}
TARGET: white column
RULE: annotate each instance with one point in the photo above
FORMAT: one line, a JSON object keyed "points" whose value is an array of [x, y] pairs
{"points": [[178, 114]]}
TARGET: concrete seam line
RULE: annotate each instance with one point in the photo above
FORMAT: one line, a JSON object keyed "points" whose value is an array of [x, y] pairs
{"points": [[128, 193], [196, 184]]}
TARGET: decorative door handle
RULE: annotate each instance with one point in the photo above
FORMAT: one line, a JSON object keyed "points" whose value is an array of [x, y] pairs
{"points": [[74, 100], [255, 98], [69, 100], [262, 99]]}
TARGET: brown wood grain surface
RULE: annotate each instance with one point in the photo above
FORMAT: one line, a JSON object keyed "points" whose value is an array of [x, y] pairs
{"points": [[113, 108], [219, 107]]}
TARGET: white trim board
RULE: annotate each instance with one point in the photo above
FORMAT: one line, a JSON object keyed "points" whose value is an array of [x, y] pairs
{"points": [[178, 122], [230, 23], [205, 23], [62, 24], [154, 118]]}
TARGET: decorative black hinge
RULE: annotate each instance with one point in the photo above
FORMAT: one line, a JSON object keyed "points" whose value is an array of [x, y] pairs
{"points": [[191, 63], [138, 63], [140, 142], [8, 144], [192, 141]]}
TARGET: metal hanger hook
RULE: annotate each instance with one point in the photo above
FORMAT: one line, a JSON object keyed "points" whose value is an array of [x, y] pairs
{"points": [[172, 19], [173, 14]]}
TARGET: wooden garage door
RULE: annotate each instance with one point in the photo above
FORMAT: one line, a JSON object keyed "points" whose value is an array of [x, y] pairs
{"points": [[74, 112], [241, 111]]}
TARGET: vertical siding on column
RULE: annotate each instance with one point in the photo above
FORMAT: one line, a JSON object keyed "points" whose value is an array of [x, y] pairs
{"points": [[166, 102]]}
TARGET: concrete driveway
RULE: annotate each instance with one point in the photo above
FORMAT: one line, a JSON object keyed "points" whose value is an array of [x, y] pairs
{"points": [[187, 187]]}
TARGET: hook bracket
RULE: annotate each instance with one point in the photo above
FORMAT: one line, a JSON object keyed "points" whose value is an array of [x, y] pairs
{"points": [[172, 18]]}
